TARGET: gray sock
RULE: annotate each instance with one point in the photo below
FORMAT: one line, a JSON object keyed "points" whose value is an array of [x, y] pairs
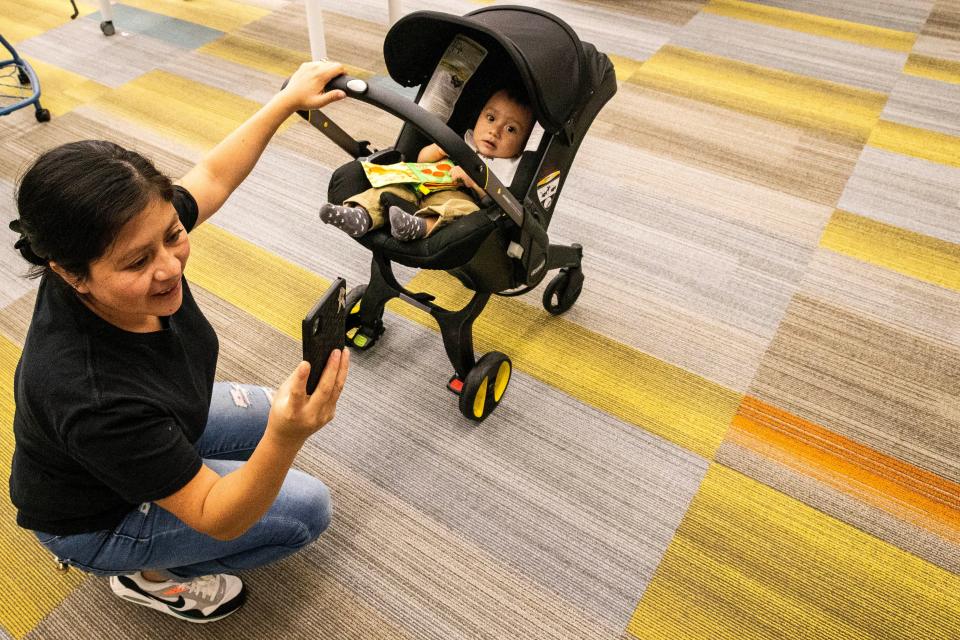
{"points": [[405, 226], [355, 221]]}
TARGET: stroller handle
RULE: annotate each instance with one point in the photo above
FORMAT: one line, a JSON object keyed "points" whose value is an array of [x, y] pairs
{"points": [[437, 130]]}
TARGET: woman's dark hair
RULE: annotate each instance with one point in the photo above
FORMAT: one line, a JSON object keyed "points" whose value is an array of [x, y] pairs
{"points": [[75, 198]]}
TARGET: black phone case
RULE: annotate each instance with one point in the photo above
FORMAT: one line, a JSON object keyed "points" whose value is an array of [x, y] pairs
{"points": [[324, 329]]}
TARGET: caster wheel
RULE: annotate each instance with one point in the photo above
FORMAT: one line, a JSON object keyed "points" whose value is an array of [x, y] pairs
{"points": [[563, 290], [23, 77], [43, 115], [358, 336], [107, 28], [485, 385]]}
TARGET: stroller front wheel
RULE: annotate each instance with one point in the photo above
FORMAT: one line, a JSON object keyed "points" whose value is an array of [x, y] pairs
{"points": [[563, 290], [484, 386]]}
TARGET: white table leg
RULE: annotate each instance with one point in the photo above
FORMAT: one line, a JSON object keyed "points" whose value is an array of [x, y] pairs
{"points": [[106, 18], [394, 11], [318, 43], [106, 11]]}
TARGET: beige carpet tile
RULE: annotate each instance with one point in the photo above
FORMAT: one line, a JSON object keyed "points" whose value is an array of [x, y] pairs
{"points": [[879, 385], [926, 104], [799, 162], [810, 23], [358, 43], [90, 123], [15, 317], [943, 21], [802, 53], [934, 68], [938, 48], [12, 266], [724, 307], [902, 15], [837, 110], [905, 192]]}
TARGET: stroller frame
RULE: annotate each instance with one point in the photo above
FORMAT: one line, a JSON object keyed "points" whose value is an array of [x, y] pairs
{"points": [[502, 249]]}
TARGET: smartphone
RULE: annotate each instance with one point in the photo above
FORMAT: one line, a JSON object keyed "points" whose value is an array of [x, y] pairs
{"points": [[324, 330]]}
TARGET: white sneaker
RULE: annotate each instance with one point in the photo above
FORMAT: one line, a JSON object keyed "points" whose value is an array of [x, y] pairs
{"points": [[202, 599]]}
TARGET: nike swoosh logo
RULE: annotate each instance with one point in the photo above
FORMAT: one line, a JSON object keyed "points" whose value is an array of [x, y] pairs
{"points": [[179, 603]]}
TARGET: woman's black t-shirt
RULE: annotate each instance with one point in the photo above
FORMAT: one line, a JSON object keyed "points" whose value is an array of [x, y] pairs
{"points": [[106, 419]]}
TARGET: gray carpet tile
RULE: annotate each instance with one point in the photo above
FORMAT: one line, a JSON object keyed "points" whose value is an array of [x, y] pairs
{"points": [[543, 524], [238, 79], [180, 33], [913, 305], [793, 51], [80, 47], [902, 15], [13, 267], [925, 103], [906, 192], [739, 272]]}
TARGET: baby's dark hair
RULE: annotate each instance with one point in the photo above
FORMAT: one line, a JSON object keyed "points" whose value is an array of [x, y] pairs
{"points": [[515, 92], [74, 199]]}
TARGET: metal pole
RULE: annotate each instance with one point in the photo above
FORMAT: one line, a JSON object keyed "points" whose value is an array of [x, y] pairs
{"points": [[394, 11], [318, 44]]}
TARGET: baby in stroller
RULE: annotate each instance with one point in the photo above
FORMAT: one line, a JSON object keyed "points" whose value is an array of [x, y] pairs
{"points": [[499, 137], [500, 243]]}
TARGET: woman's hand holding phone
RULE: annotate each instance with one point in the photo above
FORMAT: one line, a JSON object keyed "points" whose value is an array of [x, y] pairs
{"points": [[297, 415]]}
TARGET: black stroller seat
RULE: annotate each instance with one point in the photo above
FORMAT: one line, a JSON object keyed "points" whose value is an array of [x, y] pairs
{"points": [[503, 248]]}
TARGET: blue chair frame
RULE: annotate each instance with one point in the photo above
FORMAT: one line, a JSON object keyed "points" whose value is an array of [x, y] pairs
{"points": [[26, 77]]}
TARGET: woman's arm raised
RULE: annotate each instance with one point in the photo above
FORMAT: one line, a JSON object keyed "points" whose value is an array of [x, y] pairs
{"points": [[222, 170]]}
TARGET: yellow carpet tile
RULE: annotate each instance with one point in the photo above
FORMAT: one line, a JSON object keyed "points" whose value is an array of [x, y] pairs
{"points": [[828, 107], [62, 90], [912, 254], [29, 581], [264, 57], [919, 143], [194, 114], [750, 563], [933, 68], [864, 34], [22, 19], [666, 400]]}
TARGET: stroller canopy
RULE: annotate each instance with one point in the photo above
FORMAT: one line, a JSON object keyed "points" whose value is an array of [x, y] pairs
{"points": [[550, 60]]}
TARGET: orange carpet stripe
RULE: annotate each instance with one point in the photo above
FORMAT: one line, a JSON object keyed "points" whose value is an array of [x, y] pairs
{"points": [[908, 492]]}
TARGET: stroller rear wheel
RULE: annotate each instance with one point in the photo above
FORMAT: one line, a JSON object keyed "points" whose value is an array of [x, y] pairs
{"points": [[358, 335], [485, 385], [563, 290]]}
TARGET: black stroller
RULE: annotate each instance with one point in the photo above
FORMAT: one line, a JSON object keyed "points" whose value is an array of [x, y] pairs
{"points": [[503, 248]]}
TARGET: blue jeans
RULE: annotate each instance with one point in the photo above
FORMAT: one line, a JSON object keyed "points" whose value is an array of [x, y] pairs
{"points": [[152, 538]]}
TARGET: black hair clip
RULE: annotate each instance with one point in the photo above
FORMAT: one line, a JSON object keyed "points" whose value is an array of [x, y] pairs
{"points": [[15, 226]]}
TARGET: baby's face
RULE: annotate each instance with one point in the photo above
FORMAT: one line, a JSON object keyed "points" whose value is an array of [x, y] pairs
{"points": [[502, 128]]}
